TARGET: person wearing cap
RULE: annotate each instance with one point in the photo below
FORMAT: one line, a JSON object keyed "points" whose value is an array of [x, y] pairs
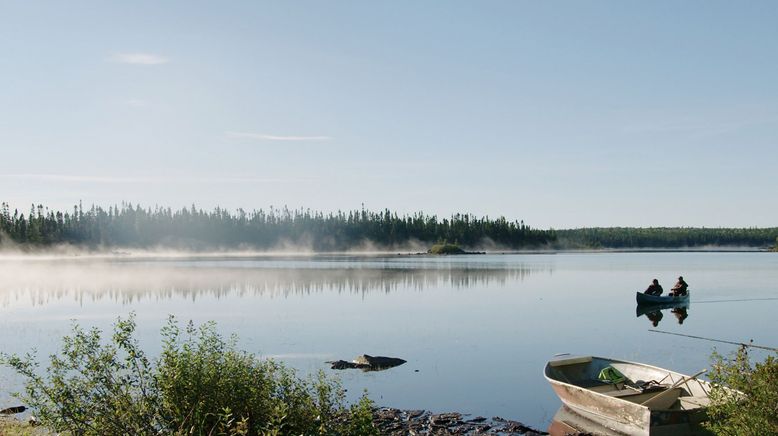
{"points": [[679, 288], [654, 288]]}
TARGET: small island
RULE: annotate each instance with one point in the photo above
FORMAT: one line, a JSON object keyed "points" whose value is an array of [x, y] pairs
{"points": [[444, 248]]}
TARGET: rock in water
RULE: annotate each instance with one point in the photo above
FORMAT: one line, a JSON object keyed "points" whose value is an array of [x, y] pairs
{"points": [[342, 364], [377, 363], [367, 362]]}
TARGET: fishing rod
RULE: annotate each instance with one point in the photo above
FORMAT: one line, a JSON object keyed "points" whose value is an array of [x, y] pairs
{"points": [[737, 300], [716, 340]]}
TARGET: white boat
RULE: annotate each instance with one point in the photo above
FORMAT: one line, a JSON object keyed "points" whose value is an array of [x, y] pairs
{"points": [[635, 399]]}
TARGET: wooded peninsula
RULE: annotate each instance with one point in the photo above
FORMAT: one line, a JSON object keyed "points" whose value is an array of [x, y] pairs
{"points": [[133, 226]]}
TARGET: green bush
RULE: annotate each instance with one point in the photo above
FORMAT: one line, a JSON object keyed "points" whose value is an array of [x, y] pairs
{"points": [[200, 385], [750, 405]]}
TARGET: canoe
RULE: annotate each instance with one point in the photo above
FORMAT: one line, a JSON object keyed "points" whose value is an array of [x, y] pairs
{"points": [[661, 299], [648, 401]]}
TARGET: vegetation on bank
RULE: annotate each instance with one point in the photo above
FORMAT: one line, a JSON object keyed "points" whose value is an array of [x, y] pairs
{"points": [[665, 237], [753, 411], [12, 427], [200, 385], [136, 227], [446, 248]]}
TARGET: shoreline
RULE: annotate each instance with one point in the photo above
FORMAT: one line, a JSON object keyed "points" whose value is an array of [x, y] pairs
{"points": [[387, 420], [215, 255]]}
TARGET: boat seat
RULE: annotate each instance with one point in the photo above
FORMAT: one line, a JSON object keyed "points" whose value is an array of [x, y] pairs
{"points": [[662, 402], [619, 393], [694, 402], [569, 360]]}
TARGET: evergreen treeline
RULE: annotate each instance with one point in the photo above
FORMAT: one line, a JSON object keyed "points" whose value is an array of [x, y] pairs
{"points": [[666, 237], [192, 228]]}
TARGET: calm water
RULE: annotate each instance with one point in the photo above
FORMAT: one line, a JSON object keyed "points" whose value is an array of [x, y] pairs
{"points": [[475, 330]]}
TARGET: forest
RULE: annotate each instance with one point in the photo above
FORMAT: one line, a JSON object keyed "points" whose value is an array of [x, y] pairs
{"points": [[133, 226], [194, 229], [666, 237]]}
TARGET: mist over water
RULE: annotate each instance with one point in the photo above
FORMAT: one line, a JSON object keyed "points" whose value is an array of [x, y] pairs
{"points": [[475, 329]]}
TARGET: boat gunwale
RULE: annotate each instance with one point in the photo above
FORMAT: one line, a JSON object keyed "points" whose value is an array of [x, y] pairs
{"points": [[649, 300]]}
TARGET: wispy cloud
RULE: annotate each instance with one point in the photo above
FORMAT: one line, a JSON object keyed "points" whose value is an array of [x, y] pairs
{"points": [[66, 178], [73, 178], [266, 137], [138, 58], [135, 102]]}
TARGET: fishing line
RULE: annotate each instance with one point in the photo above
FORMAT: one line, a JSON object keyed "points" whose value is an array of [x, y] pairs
{"points": [[742, 299], [716, 340]]}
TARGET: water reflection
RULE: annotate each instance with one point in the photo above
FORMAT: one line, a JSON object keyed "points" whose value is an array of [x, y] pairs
{"points": [[654, 311], [681, 313], [128, 282], [566, 422]]}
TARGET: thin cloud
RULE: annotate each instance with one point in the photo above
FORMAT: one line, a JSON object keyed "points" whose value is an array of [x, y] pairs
{"points": [[72, 178], [136, 102], [266, 137], [139, 58], [66, 178]]}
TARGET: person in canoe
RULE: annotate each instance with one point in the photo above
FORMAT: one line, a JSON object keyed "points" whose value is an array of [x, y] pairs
{"points": [[679, 288], [654, 288]]}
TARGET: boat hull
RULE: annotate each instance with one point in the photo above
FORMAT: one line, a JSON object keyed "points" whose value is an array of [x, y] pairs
{"points": [[620, 416], [661, 299], [567, 422], [624, 411]]}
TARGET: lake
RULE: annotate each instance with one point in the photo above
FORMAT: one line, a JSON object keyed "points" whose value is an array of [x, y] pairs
{"points": [[476, 330]]}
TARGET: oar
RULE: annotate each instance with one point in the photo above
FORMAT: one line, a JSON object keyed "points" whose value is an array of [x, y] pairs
{"points": [[674, 385]]}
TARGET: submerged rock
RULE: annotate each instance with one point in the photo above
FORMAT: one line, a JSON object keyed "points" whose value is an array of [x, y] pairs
{"points": [[396, 422]]}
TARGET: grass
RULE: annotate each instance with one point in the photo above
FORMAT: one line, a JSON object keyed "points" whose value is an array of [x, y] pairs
{"points": [[13, 427]]}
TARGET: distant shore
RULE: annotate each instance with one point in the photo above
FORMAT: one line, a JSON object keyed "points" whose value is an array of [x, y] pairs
{"points": [[174, 254]]}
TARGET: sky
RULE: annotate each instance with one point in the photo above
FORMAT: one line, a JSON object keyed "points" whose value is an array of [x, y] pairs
{"points": [[561, 114]]}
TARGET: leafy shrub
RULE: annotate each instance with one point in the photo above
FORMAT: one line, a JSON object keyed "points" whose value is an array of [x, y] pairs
{"points": [[200, 385], [750, 406]]}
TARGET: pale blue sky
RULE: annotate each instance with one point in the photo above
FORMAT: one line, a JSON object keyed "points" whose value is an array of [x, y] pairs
{"points": [[564, 114]]}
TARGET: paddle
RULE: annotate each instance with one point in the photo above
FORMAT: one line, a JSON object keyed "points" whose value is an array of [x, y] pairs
{"points": [[674, 385]]}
